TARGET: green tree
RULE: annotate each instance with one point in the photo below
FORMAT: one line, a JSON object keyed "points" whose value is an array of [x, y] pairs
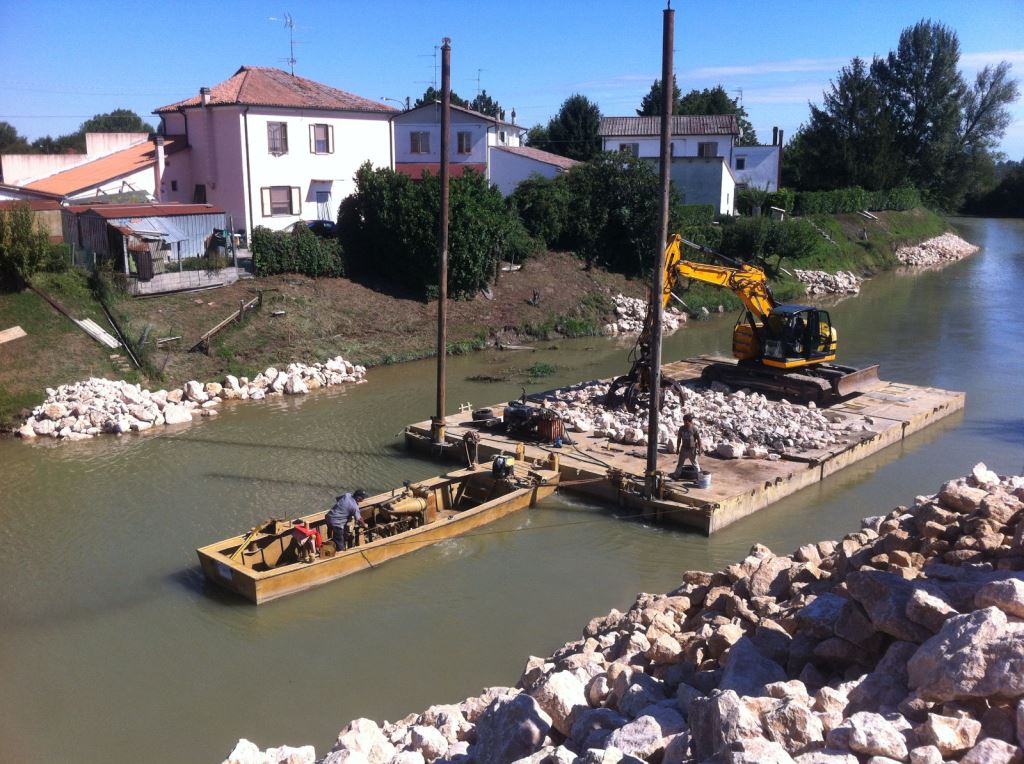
{"points": [[433, 95], [650, 104], [116, 121], [573, 131], [11, 141], [924, 93], [537, 137], [23, 245], [542, 204], [850, 141], [716, 101], [484, 104]]}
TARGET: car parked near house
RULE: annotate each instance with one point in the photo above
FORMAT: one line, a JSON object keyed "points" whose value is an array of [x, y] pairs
{"points": [[324, 228]]}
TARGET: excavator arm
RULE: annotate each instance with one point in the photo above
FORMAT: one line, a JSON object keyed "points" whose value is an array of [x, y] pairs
{"points": [[747, 282]]}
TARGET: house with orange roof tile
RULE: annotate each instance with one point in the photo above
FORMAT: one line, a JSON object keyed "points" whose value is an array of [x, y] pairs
{"points": [[272, 148]]}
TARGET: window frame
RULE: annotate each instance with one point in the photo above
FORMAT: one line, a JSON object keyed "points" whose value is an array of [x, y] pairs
{"points": [[294, 201], [741, 162], [466, 135], [633, 149], [419, 142], [277, 144], [702, 152], [327, 141]]}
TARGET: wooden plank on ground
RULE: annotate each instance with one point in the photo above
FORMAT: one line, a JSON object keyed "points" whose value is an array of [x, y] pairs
{"points": [[11, 334]]}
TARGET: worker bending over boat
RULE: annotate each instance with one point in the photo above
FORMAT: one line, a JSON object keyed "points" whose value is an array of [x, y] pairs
{"points": [[345, 508], [307, 541]]}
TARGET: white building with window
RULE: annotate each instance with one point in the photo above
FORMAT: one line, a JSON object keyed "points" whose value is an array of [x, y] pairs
{"points": [[271, 148], [705, 156]]}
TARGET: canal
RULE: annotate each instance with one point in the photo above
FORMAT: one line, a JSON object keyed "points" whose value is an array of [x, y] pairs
{"points": [[112, 648]]}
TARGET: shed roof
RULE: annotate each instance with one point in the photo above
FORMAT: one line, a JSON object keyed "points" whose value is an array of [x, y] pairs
{"points": [[682, 124], [557, 160], [36, 205], [268, 86], [116, 211], [116, 165], [464, 110]]}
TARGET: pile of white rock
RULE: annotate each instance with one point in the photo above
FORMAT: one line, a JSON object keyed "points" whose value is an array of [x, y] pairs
{"points": [[732, 424], [942, 249], [630, 313], [822, 282], [901, 642], [84, 409]]}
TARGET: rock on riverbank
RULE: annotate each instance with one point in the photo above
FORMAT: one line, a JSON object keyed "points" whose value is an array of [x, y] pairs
{"points": [[902, 642], [822, 282], [629, 317], [942, 249], [95, 406], [733, 422]]}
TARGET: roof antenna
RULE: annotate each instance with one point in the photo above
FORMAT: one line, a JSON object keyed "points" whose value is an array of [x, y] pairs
{"points": [[290, 23]]}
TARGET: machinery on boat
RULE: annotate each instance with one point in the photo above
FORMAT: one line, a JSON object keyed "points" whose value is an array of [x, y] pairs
{"points": [[783, 350]]}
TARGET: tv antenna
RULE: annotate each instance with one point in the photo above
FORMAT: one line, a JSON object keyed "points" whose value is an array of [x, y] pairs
{"points": [[478, 71], [290, 23], [739, 98]]}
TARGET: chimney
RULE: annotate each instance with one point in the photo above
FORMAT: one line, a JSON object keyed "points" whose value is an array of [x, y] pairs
{"points": [[513, 115], [775, 136], [778, 182], [204, 96], [158, 139]]}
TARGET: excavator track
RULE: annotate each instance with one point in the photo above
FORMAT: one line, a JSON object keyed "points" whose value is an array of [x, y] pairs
{"points": [[821, 384]]}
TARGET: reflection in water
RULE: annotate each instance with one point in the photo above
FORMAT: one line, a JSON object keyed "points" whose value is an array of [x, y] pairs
{"points": [[109, 627]]}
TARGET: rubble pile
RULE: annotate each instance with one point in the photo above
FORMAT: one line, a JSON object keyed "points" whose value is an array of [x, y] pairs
{"points": [[629, 317], [731, 423], [942, 249], [84, 409], [902, 642], [822, 282]]}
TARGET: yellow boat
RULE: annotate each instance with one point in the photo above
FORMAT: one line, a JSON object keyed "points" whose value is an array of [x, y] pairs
{"points": [[262, 565]]}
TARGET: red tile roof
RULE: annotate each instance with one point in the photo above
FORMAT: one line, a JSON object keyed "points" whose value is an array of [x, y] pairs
{"points": [[546, 157], [35, 194], [682, 124], [116, 165], [265, 86], [111, 211], [464, 110], [36, 205]]}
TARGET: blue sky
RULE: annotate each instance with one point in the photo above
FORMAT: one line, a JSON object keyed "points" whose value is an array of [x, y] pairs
{"points": [[62, 62]]}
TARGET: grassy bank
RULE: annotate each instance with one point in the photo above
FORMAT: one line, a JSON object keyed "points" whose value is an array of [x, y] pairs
{"points": [[369, 323]]}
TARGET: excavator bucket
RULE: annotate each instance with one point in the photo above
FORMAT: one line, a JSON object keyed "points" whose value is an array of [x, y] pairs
{"points": [[856, 381]]}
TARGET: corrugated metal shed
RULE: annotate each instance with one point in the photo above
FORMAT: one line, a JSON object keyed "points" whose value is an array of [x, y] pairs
{"points": [[682, 124], [86, 230]]}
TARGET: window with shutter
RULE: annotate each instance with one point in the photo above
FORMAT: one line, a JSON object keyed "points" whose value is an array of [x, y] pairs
{"points": [[277, 137], [630, 148], [465, 141], [320, 139], [280, 200], [709, 149], [419, 142]]}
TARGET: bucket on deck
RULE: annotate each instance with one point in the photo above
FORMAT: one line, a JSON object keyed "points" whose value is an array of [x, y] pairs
{"points": [[704, 480]]}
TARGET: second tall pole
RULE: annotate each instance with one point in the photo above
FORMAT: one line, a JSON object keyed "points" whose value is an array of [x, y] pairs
{"points": [[438, 428]]}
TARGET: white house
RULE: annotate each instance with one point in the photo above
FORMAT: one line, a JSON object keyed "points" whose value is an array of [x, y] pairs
{"points": [[271, 148], [707, 165], [511, 165], [113, 163]]}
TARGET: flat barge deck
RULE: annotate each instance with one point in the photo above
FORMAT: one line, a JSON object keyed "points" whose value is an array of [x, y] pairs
{"points": [[614, 472]]}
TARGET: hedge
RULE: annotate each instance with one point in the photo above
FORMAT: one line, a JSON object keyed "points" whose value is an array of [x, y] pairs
{"points": [[686, 215], [300, 251], [854, 199]]}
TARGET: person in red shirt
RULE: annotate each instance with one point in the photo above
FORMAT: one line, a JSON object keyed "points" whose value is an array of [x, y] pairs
{"points": [[307, 541]]}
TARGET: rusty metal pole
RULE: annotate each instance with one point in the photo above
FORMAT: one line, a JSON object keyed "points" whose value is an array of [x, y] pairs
{"points": [[438, 423], [658, 287]]}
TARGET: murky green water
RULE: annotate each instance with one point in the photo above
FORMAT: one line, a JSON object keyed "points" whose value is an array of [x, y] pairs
{"points": [[112, 649]]}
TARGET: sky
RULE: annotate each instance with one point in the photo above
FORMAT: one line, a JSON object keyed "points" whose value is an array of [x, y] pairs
{"points": [[63, 62]]}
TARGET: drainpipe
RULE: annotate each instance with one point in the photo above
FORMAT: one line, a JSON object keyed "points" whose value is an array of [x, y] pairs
{"points": [[391, 143], [248, 178], [158, 139], [184, 116], [778, 178]]}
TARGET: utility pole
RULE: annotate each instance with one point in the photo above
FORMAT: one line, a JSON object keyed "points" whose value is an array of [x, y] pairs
{"points": [[438, 423], [658, 288]]}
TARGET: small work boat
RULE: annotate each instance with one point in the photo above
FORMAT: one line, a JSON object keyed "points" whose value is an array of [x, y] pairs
{"points": [[263, 564]]}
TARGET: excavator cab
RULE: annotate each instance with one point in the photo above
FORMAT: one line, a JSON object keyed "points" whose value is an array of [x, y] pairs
{"points": [[797, 335]]}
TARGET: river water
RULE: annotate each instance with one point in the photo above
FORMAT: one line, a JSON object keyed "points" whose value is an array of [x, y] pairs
{"points": [[112, 648]]}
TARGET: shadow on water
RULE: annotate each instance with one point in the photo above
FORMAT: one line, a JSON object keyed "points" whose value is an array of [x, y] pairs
{"points": [[396, 449]]}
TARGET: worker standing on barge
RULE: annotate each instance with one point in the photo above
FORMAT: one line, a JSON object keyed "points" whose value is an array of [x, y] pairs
{"points": [[345, 508], [689, 445]]}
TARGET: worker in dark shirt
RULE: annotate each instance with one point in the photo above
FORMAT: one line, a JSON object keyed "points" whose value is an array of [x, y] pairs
{"points": [[345, 508]]}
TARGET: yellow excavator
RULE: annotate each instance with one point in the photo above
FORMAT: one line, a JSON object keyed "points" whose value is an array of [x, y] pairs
{"points": [[781, 350]]}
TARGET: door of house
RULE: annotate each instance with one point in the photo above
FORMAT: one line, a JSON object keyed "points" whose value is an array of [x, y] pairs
{"points": [[323, 205]]}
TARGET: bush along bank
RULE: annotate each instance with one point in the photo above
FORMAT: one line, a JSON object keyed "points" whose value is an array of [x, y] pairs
{"points": [[95, 406], [902, 642]]}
